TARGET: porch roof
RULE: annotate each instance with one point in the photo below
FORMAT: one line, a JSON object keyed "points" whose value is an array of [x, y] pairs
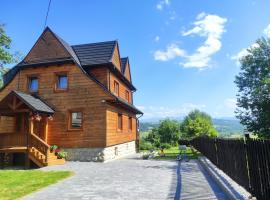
{"points": [[34, 103]]}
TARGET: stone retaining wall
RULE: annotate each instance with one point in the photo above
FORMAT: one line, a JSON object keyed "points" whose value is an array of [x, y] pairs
{"points": [[101, 154]]}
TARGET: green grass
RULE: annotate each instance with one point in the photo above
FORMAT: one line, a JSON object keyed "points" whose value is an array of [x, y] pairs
{"points": [[171, 153], [17, 183]]}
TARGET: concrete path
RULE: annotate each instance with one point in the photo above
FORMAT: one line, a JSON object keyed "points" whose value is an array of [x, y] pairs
{"points": [[195, 183], [131, 178]]}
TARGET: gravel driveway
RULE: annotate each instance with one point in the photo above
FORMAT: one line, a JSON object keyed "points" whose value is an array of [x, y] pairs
{"points": [[129, 178]]}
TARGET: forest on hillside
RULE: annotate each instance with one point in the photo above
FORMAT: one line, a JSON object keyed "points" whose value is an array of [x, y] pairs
{"points": [[225, 127]]}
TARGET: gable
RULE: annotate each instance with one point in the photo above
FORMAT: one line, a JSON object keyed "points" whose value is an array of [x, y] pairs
{"points": [[116, 58], [127, 71], [48, 47], [125, 68]]}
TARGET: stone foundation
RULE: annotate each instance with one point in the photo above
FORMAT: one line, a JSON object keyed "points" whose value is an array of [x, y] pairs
{"points": [[101, 154]]}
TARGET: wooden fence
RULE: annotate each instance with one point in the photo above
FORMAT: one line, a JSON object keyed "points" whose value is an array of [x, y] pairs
{"points": [[246, 161]]}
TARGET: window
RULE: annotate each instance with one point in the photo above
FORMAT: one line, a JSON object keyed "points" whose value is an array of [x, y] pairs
{"points": [[116, 88], [75, 120], [130, 123], [62, 82], [33, 84], [127, 95], [120, 122]]}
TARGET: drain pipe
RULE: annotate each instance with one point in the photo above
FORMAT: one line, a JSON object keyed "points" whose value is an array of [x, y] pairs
{"points": [[137, 133]]}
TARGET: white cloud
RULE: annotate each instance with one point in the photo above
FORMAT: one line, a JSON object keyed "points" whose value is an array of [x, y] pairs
{"points": [[162, 3], [157, 38], [230, 103], [165, 112], [266, 31], [243, 53], [206, 25], [211, 27], [171, 52]]}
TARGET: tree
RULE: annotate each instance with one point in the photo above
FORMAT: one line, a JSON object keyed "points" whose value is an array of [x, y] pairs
{"points": [[197, 123], [253, 82], [167, 133], [5, 56], [5, 42]]}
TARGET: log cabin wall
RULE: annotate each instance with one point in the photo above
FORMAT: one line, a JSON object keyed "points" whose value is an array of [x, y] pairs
{"points": [[127, 72], [47, 47], [101, 74], [7, 124], [122, 88], [83, 94], [116, 58], [114, 135]]}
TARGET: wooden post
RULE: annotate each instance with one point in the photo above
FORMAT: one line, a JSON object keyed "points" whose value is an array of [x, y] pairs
{"points": [[46, 129], [29, 131]]}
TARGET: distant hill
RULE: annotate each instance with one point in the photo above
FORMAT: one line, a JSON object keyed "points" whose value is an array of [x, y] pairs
{"points": [[225, 127], [228, 127]]}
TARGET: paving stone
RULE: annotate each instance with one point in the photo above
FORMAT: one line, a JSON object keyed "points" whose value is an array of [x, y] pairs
{"points": [[131, 178]]}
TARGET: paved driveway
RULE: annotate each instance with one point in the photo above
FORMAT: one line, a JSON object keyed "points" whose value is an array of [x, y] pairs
{"points": [[132, 179], [129, 178]]}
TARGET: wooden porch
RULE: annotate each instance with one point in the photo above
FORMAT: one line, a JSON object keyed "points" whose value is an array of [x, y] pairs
{"points": [[24, 129]]}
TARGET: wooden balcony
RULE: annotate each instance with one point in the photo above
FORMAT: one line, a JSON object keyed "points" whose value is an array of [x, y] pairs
{"points": [[13, 142]]}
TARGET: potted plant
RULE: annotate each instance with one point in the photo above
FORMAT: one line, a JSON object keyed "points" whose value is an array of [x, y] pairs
{"points": [[56, 151], [53, 148], [61, 154]]}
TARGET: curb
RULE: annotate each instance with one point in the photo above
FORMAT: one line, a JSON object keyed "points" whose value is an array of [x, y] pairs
{"points": [[231, 189]]}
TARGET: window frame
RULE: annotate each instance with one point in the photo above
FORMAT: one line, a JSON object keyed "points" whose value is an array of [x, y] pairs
{"points": [[69, 124], [116, 86], [29, 81], [56, 87], [130, 123], [127, 96], [119, 115]]}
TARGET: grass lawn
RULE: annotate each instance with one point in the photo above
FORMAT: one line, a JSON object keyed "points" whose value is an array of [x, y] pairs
{"points": [[17, 183], [171, 153]]}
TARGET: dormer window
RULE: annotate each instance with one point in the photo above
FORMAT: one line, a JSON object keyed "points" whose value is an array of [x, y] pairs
{"points": [[33, 84], [116, 88], [62, 82]]}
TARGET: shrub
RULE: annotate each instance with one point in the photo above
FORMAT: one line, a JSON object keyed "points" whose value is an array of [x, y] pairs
{"points": [[61, 154], [145, 156], [144, 145], [165, 146], [53, 148]]}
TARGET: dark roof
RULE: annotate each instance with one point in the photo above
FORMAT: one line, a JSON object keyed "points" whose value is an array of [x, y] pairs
{"points": [[126, 105], [123, 64], [33, 103], [95, 53], [68, 48]]}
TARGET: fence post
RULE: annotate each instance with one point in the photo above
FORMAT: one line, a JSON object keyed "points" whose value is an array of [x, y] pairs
{"points": [[246, 139], [216, 148]]}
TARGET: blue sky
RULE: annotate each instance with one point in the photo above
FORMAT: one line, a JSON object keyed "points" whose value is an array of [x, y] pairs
{"points": [[183, 54]]}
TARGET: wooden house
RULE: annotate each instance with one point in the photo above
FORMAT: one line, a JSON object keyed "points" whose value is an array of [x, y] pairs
{"points": [[78, 97]]}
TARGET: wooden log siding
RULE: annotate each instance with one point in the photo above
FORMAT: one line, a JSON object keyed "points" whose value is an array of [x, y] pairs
{"points": [[7, 124], [115, 136], [116, 58], [101, 74], [83, 93], [47, 50], [122, 88]]}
